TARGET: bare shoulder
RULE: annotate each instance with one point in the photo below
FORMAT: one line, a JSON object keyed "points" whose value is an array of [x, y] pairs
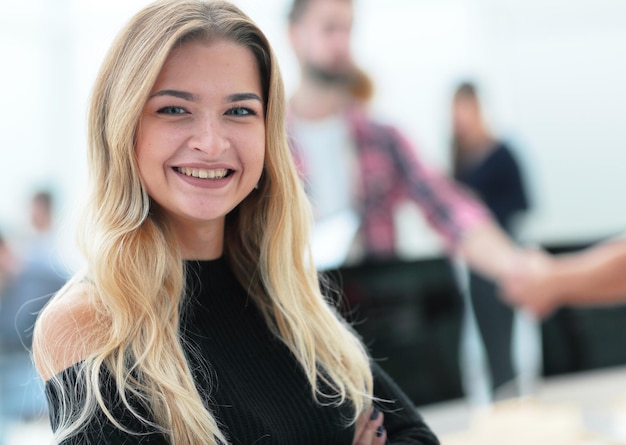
{"points": [[67, 330]]}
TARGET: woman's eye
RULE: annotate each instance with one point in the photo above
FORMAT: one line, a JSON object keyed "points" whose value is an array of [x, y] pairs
{"points": [[240, 111], [171, 110]]}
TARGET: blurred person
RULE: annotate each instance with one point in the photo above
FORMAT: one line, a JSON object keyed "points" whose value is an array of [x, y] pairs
{"points": [[484, 163], [593, 276], [358, 171], [37, 274], [488, 167], [355, 165], [34, 277], [199, 318]]}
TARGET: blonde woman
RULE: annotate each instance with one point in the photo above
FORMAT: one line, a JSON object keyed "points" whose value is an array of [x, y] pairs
{"points": [[199, 319]]}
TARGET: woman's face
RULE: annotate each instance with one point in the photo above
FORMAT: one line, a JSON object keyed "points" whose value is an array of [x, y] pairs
{"points": [[465, 116], [201, 138]]}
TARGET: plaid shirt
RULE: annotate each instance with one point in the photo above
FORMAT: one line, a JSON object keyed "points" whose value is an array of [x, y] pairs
{"points": [[390, 173]]}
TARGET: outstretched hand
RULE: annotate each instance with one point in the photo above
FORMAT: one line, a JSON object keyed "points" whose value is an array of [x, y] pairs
{"points": [[530, 283]]}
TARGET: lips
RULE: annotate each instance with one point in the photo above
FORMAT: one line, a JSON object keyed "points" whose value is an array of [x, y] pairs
{"points": [[218, 173]]}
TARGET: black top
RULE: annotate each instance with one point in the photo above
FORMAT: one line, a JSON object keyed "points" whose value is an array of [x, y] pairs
{"points": [[498, 181], [258, 394]]}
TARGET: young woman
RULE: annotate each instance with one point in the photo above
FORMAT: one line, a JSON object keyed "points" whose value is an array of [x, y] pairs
{"points": [[199, 319], [488, 167], [483, 163]]}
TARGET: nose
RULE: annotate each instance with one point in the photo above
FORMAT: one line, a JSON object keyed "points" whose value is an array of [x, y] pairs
{"points": [[342, 39], [209, 136]]}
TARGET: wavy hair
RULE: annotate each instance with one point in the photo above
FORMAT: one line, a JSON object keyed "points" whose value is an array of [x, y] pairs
{"points": [[136, 274]]}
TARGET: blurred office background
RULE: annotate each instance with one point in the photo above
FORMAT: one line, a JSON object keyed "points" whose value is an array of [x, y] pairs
{"points": [[551, 73]]}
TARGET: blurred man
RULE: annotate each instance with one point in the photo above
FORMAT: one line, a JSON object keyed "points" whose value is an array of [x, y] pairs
{"points": [[356, 166]]}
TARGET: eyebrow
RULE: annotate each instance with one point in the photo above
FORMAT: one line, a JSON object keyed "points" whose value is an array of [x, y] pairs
{"points": [[194, 98], [243, 96], [176, 93]]}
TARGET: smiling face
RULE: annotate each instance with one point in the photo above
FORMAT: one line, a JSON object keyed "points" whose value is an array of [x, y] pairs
{"points": [[201, 138]]}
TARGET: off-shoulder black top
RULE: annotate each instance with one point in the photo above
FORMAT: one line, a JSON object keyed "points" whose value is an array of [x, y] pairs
{"points": [[252, 382]]}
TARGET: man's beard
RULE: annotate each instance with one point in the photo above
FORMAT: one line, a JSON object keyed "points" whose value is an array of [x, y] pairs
{"points": [[329, 77]]}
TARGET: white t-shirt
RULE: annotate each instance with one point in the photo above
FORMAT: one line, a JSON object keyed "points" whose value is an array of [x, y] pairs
{"points": [[329, 154]]}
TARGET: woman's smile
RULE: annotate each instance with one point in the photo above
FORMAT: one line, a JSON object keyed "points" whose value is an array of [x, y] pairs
{"points": [[201, 139]]}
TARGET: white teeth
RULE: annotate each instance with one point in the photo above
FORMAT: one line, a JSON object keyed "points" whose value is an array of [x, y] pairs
{"points": [[202, 173]]}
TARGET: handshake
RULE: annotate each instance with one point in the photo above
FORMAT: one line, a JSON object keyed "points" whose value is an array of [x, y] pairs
{"points": [[541, 283]]}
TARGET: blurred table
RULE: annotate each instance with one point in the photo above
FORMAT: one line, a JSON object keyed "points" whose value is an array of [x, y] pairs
{"points": [[577, 409]]}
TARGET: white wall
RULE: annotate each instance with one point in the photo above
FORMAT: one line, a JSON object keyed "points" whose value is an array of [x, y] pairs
{"points": [[553, 78], [552, 71]]}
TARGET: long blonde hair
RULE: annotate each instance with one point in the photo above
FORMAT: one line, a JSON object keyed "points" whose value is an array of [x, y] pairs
{"points": [[137, 274]]}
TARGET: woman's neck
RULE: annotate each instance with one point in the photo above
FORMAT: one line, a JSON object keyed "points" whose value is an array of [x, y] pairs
{"points": [[200, 242]]}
